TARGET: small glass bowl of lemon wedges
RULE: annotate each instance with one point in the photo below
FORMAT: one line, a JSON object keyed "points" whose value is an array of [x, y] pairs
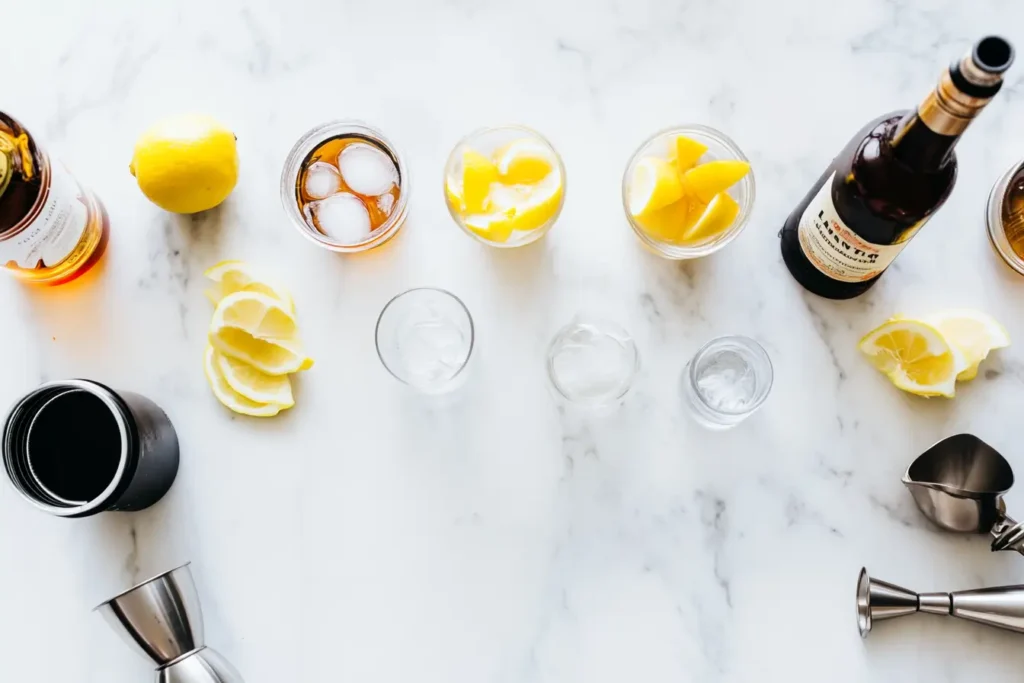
{"points": [[504, 186], [688, 191]]}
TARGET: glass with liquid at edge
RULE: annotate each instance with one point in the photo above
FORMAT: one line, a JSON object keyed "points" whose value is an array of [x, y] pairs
{"points": [[1005, 217]]}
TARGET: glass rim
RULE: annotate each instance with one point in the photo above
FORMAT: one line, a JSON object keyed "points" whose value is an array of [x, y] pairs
{"points": [[749, 343], [537, 233], [994, 219], [308, 142], [439, 290], [592, 403], [679, 252]]}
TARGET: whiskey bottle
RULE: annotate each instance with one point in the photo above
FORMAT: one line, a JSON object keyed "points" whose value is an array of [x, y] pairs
{"points": [[888, 181], [51, 229]]}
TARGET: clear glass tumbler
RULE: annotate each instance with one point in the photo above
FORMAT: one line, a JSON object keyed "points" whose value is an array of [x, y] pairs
{"points": [[424, 339], [592, 364], [726, 381]]}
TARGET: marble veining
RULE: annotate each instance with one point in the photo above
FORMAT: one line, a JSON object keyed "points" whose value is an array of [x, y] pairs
{"points": [[371, 535]]}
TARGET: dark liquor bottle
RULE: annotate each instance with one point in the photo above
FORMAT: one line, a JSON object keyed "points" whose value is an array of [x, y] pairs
{"points": [[888, 181]]}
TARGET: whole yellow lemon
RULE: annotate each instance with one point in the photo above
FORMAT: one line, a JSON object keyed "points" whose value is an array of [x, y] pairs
{"points": [[186, 164]]}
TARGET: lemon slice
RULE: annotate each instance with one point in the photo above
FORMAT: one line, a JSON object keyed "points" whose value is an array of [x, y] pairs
{"points": [[524, 161], [974, 333], [228, 396], [254, 385], [654, 184], [716, 219], [238, 276], [478, 172], [688, 153], [707, 180], [914, 356], [257, 329]]}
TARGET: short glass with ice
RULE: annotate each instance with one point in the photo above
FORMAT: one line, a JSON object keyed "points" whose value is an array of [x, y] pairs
{"points": [[345, 187]]}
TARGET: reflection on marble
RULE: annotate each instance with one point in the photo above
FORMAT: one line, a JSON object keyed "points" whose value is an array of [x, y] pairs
{"points": [[369, 535]]}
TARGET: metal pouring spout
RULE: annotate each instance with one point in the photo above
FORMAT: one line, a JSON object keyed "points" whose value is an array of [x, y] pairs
{"points": [[959, 483]]}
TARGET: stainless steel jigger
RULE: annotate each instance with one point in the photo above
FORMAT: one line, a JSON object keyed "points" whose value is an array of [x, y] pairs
{"points": [[1001, 607], [959, 484], [162, 620]]}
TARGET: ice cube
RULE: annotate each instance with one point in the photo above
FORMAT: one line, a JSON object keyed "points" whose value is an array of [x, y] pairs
{"points": [[386, 202], [342, 217], [322, 180], [367, 170]]}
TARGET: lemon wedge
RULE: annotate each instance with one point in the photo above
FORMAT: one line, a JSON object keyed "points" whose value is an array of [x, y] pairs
{"points": [[238, 276], [496, 227], [521, 208], [654, 184], [524, 161], [478, 172], [915, 356], [688, 153], [254, 385], [257, 329], [707, 180], [974, 333], [669, 222], [228, 396], [716, 219]]}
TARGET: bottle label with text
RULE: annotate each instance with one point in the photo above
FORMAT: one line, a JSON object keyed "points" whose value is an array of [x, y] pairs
{"points": [[52, 234], [835, 249]]}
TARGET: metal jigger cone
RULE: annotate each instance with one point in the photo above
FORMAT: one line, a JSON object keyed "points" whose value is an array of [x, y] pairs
{"points": [[162, 620], [1001, 606], [877, 600]]}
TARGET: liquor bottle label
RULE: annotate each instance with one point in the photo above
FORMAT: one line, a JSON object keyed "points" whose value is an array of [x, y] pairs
{"points": [[834, 249], [51, 234]]}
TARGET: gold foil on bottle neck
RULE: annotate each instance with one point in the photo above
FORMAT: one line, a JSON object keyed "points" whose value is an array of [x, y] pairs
{"points": [[947, 110]]}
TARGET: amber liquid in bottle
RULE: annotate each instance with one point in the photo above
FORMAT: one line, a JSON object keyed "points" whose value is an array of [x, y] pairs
{"points": [[891, 177], [51, 229]]}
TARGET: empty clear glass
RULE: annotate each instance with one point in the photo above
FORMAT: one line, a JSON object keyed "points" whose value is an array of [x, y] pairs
{"points": [[726, 381], [424, 338], [592, 363]]}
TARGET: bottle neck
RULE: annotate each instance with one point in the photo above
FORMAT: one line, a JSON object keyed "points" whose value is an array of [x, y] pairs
{"points": [[924, 139], [919, 146]]}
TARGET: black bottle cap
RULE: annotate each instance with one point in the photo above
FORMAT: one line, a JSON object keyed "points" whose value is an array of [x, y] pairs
{"points": [[992, 54]]}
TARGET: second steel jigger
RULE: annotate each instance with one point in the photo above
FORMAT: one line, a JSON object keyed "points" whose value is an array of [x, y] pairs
{"points": [[959, 484], [161, 619], [1001, 606]]}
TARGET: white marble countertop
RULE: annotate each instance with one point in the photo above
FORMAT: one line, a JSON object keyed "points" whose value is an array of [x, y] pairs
{"points": [[368, 536]]}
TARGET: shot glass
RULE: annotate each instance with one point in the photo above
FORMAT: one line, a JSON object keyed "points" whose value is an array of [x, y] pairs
{"points": [[726, 381], [720, 146], [591, 364], [345, 187], [525, 187], [75, 448], [425, 338]]}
